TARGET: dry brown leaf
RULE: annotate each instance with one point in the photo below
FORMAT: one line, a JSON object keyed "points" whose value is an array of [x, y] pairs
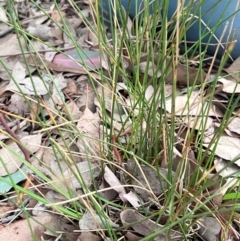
{"points": [[132, 237], [59, 225], [151, 69], [40, 31], [87, 236], [5, 210], [80, 174], [186, 75], [10, 160], [75, 22], [20, 230], [71, 87], [84, 13], [92, 221], [146, 226], [56, 67], [210, 229], [67, 37], [87, 94], [114, 182], [72, 111], [234, 69], [198, 123], [192, 105], [18, 105], [13, 41], [147, 183], [34, 112], [57, 39], [107, 194]]}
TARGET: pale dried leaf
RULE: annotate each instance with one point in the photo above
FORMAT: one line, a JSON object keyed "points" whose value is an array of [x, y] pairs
{"points": [[29, 86], [49, 55], [185, 104], [67, 37], [19, 72], [225, 168], [230, 182], [149, 92], [234, 125], [234, 68], [228, 148], [40, 31], [192, 105], [133, 199], [230, 86], [84, 13], [114, 182], [129, 25], [3, 15], [87, 94]]}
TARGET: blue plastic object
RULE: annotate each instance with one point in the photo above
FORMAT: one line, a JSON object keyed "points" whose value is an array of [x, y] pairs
{"points": [[212, 20]]}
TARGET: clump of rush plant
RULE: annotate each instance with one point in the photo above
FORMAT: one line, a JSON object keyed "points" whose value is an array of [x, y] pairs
{"points": [[134, 119]]}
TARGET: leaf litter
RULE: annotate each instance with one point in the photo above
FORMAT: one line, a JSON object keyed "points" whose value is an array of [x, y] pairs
{"points": [[70, 160]]}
